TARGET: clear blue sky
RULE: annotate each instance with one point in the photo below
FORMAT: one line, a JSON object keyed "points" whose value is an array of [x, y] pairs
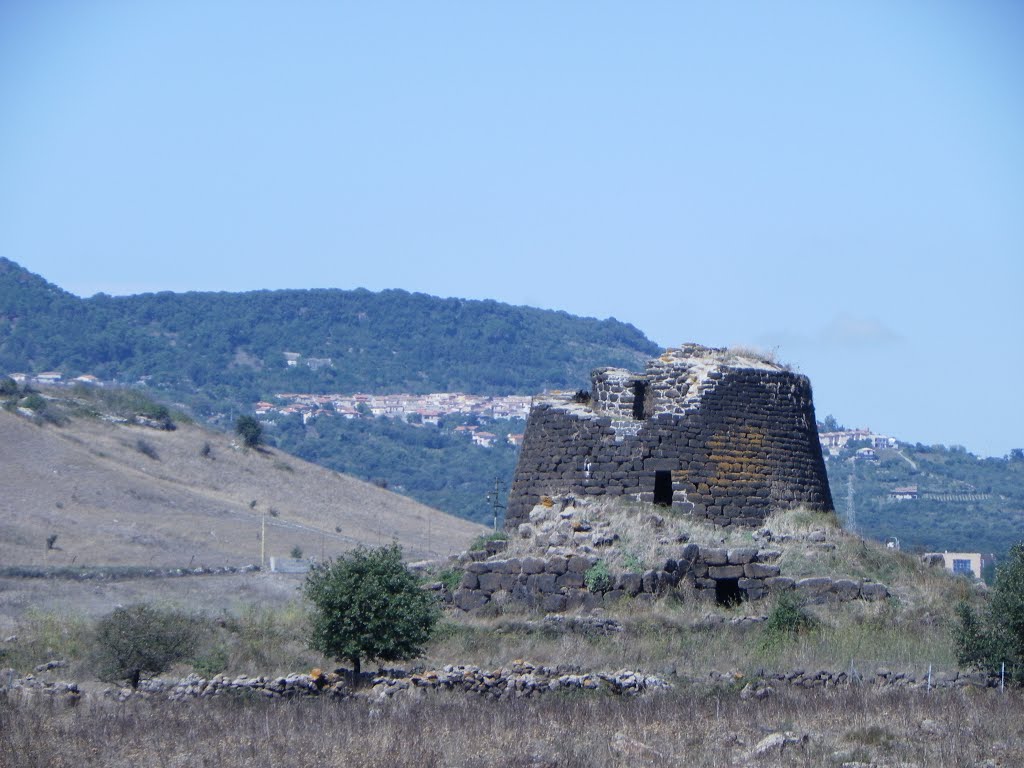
{"points": [[843, 181]]}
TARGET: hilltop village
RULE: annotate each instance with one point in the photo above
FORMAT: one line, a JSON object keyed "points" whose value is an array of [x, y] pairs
{"points": [[417, 410], [430, 409]]}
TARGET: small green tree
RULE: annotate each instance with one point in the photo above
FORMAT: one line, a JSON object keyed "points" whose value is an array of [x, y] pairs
{"points": [[996, 635], [8, 386], [139, 640], [366, 604], [249, 430]]}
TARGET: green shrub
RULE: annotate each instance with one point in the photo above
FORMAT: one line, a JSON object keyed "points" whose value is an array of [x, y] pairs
{"points": [[451, 578], [994, 637], [8, 387], [141, 640], [598, 578], [788, 619], [212, 661], [34, 402]]}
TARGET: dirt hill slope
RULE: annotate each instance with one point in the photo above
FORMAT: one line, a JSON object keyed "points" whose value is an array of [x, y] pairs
{"points": [[120, 494]]}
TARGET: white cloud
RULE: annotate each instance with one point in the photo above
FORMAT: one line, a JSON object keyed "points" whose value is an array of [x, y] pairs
{"points": [[845, 330], [850, 330]]}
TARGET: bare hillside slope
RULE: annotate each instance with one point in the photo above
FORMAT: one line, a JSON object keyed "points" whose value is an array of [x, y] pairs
{"points": [[120, 494]]}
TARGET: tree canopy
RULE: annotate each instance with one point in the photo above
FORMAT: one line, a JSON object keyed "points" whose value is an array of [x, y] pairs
{"points": [[366, 604], [249, 430]]}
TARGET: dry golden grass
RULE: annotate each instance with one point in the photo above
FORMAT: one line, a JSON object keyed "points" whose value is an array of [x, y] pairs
{"points": [[201, 501], [694, 726]]}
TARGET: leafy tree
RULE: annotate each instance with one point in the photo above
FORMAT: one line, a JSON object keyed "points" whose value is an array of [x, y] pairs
{"points": [[367, 604], [830, 424], [139, 640], [8, 386], [996, 636], [249, 430]]}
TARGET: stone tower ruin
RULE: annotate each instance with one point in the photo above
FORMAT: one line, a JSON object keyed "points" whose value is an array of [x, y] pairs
{"points": [[723, 435]]}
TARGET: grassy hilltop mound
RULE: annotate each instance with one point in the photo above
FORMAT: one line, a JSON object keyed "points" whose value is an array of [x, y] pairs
{"points": [[903, 622], [101, 472]]}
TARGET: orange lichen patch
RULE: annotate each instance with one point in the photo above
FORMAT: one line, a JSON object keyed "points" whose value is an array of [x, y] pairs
{"points": [[738, 457], [547, 501]]}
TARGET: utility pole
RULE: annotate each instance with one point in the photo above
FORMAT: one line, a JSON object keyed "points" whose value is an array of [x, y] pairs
{"points": [[263, 541], [494, 497], [851, 512]]}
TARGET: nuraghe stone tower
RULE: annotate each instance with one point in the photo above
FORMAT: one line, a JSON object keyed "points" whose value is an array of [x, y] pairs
{"points": [[722, 435]]}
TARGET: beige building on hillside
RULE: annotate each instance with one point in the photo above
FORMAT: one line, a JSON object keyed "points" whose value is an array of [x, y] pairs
{"points": [[962, 563]]}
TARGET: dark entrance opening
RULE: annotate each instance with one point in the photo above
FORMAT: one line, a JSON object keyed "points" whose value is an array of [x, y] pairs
{"points": [[727, 592], [663, 488], [639, 395]]}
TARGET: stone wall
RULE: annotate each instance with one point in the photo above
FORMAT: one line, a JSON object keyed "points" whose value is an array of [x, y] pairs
{"points": [[559, 583], [732, 440]]}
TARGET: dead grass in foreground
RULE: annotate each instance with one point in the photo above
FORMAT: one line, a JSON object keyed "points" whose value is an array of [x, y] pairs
{"points": [[696, 727]]}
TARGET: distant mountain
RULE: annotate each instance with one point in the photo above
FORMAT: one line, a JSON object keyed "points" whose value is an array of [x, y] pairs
{"points": [[239, 347]]}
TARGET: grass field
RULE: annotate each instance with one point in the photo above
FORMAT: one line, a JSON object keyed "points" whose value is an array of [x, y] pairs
{"points": [[691, 726]]}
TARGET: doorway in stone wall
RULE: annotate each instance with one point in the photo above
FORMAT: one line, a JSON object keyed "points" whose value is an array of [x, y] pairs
{"points": [[728, 592], [663, 488], [639, 395]]}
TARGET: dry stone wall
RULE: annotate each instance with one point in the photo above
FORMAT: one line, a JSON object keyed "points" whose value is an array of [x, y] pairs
{"points": [[721, 438], [560, 583]]}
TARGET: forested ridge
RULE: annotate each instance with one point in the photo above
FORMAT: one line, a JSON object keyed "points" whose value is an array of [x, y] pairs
{"points": [[229, 347]]}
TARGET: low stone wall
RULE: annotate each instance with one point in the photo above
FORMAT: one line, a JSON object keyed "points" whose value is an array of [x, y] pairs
{"points": [[559, 583], [117, 572], [518, 680], [763, 685]]}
